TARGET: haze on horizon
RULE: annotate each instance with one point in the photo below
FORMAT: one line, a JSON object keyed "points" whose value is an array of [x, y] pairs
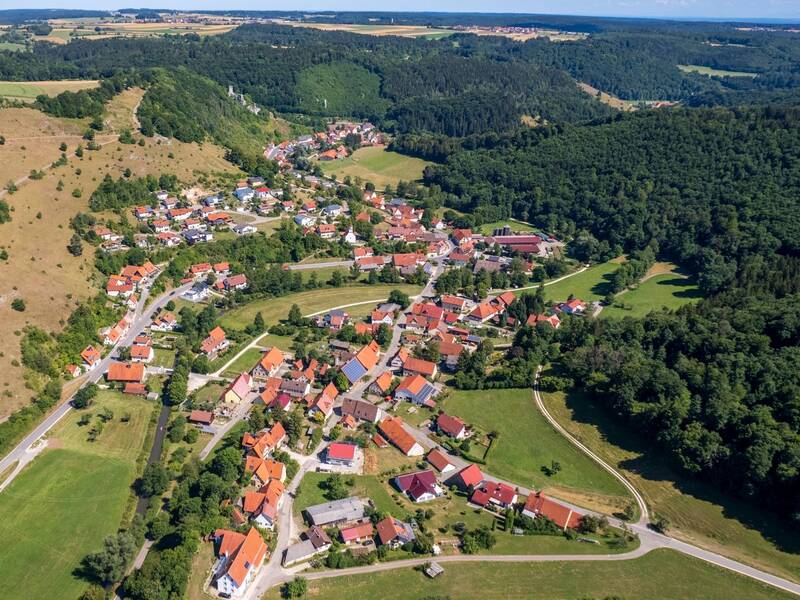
{"points": [[673, 9]]}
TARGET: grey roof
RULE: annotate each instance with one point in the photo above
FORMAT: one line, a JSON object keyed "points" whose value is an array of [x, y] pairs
{"points": [[298, 552], [389, 307], [347, 509]]}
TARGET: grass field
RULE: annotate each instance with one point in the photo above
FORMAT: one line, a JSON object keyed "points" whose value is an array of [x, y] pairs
{"points": [[714, 72], [655, 576], [699, 514], [589, 285], [28, 90], [608, 99], [275, 309], [399, 30], [378, 165], [527, 443], [45, 275], [366, 486], [516, 226], [245, 362], [661, 291], [61, 507]]}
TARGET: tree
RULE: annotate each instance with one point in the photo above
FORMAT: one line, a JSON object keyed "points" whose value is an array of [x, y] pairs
{"points": [[84, 396], [109, 564], [18, 304], [154, 481], [399, 297], [296, 588], [258, 323], [75, 246], [295, 316]]}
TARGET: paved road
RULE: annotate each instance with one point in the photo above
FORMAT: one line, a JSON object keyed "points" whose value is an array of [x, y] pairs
{"points": [[143, 318]]}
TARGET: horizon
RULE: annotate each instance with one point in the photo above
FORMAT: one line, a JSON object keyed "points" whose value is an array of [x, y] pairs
{"points": [[773, 11]]}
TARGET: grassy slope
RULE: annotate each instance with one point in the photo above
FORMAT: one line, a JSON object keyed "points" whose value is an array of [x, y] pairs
{"points": [[61, 507], [31, 89], [45, 275], [527, 443], [660, 574], [274, 309], [668, 291], [378, 165], [698, 513]]}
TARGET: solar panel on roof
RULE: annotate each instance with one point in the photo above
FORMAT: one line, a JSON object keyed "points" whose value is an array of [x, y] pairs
{"points": [[354, 370]]}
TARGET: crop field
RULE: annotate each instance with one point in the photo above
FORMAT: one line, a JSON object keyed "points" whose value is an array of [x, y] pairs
{"points": [[667, 290], [275, 309], [698, 513], [28, 90], [657, 575], [701, 70], [399, 30], [527, 443], [62, 505], [378, 165], [64, 32]]}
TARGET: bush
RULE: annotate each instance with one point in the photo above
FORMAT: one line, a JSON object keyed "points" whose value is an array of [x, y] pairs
{"points": [[18, 304]]}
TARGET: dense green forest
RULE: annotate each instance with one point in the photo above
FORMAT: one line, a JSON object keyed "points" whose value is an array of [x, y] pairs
{"points": [[713, 188]]}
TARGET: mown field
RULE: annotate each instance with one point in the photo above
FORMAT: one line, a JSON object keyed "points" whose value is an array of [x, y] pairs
{"points": [[399, 30], [711, 72], [378, 165], [516, 226], [698, 513], [64, 503], [658, 575], [275, 309], [661, 291], [28, 90], [527, 443], [591, 284]]}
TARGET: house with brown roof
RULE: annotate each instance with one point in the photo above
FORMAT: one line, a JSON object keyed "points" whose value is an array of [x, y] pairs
{"points": [[239, 559], [356, 534], [143, 354], [393, 532], [125, 372], [420, 486], [201, 417], [361, 410], [418, 366], [537, 505], [215, 343], [495, 493], [392, 429], [551, 320], [440, 461], [456, 304], [451, 426]]}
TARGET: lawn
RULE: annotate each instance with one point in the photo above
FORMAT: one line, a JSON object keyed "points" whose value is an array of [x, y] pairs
{"points": [[245, 362], [366, 486], [275, 309], [378, 165], [711, 72], [662, 291], [657, 575], [516, 226], [527, 443], [62, 506], [28, 90], [163, 358], [698, 513], [591, 284]]}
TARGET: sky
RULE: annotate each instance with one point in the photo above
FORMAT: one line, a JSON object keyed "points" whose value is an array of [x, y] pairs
{"points": [[715, 9]]}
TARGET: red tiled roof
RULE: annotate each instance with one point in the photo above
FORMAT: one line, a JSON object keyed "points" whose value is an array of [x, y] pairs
{"points": [[470, 475], [340, 451], [438, 460], [452, 426]]}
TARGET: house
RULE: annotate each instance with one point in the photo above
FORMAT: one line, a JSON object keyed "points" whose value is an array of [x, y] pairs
{"points": [[305, 220], [393, 532], [179, 214], [161, 225], [90, 357], [169, 239], [323, 403], [326, 230], [135, 389], [451, 426], [164, 322], [234, 282], [274, 400], [265, 469], [309, 206], [467, 477], [382, 384], [551, 320], [537, 505], [449, 353], [440, 461], [420, 486], [215, 343], [222, 269], [393, 430], [453, 303], [346, 510], [244, 194], [417, 366], [416, 389], [332, 210], [270, 362], [370, 263], [266, 442], [482, 313], [295, 387], [143, 354], [461, 236], [377, 317], [239, 559], [341, 454], [197, 293], [125, 372], [363, 252], [73, 371], [495, 493], [400, 358], [572, 307], [362, 362], [244, 229], [356, 534], [316, 542], [201, 417], [361, 410], [238, 390]]}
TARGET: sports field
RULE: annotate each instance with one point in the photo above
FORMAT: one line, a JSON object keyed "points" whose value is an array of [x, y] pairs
{"points": [[68, 499], [28, 90], [527, 443], [655, 576], [378, 165]]}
